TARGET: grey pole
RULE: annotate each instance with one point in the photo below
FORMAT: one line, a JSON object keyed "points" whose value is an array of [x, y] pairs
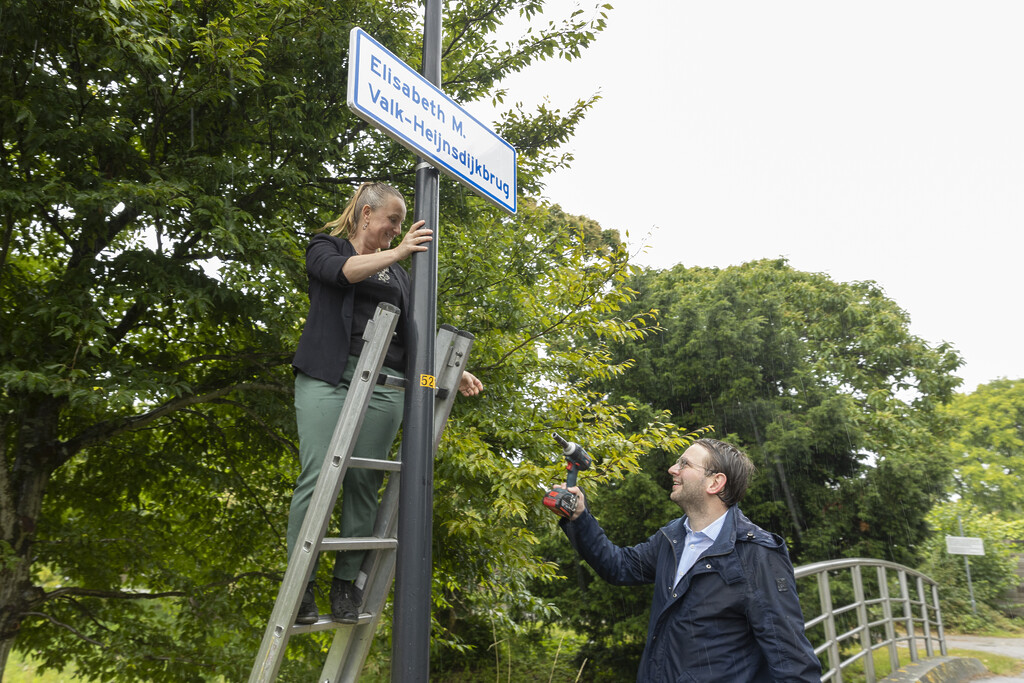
{"points": [[410, 635]]}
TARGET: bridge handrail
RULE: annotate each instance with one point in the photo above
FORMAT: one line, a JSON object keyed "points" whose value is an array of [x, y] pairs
{"points": [[928, 614]]}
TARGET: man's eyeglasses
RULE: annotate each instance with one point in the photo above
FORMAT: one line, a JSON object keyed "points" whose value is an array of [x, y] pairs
{"points": [[683, 463]]}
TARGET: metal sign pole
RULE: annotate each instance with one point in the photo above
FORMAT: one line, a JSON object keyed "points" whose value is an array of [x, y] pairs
{"points": [[410, 640], [967, 566]]}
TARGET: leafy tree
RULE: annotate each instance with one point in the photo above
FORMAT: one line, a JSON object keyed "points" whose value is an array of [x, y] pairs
{"points": [[985, 448], [161, 167], [819, 381], [823, 384], [988, 447], [992, 574]]}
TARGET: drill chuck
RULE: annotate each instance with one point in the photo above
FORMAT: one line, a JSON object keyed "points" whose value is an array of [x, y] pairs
{"points": [[575, 455]]}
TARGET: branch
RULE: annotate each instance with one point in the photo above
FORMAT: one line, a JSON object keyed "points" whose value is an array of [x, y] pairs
{"points": [[256, 358], [577, 306], [270, 431], [528, 340], [72, 592], [8, 507], [470, 21], [255, 498], [100, 645], [67, 626], [355, 180], [129, 321], [54, 221], [352, 133], [520, 248], [104, 430], [87, 248]]}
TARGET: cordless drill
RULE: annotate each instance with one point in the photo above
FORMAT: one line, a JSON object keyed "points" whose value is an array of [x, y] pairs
{"points": [[561, 501]]}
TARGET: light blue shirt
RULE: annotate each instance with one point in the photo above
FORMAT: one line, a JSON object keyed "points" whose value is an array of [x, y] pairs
{"points": [[697, 542]]}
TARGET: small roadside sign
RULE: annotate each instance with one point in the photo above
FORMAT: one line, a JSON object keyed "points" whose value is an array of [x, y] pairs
{"points": [[965, 545], [386, 93]]}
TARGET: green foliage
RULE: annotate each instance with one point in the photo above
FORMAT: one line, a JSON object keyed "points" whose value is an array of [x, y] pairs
{"points": [[537, 652], [820, 381], [24, 669], [987, 447], [162, 166], [991, 574]]}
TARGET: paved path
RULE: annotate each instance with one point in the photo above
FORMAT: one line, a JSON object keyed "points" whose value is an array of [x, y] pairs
{"points": [[1008, 647]]}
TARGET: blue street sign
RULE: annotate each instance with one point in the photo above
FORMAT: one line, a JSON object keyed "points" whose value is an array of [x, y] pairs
{"points": [[386, 93]]}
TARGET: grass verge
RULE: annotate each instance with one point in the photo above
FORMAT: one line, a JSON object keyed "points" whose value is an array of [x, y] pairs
{"points": [[997, 664], [24, 669]]}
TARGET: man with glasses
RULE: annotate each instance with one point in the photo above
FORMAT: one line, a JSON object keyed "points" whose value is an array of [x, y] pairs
{"points": [[725, 606]]}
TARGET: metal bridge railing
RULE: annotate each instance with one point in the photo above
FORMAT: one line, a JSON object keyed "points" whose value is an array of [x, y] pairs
{"points": [[884, 610]]}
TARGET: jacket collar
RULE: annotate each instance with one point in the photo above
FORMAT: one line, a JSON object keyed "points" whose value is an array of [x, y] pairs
{"points": [[733, 529], [736, 527], [726, 540]]}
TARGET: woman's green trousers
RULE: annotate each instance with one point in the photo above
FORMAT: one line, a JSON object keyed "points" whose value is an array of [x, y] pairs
{"points": [[317, 407]]}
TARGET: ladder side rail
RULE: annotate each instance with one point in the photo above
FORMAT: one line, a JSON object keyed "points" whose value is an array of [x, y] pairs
{"points": [[449, 368], [371, 360], [349, 651], [442, 347]]}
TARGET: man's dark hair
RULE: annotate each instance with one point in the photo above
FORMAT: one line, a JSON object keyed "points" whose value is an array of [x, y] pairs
{"points": [[733, 463]]}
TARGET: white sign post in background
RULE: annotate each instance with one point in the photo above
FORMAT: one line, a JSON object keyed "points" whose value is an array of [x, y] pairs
{"points": [[966, 545], [385, 92]]}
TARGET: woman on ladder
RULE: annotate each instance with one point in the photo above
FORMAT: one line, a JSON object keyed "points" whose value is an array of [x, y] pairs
{"points": [[351, 268]]}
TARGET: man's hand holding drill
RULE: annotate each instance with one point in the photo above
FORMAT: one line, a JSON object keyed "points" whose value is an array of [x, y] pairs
{"points": [[580, 502], [563, 500]]}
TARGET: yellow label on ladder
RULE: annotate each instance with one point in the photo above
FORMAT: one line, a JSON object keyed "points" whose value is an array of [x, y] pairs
{"points": [[427, 381]]}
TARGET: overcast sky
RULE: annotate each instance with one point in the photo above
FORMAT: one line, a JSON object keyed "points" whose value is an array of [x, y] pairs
{"points": [[867, 140]]}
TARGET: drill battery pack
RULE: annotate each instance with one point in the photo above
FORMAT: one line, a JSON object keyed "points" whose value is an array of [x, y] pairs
{"points": [[561, 502]]}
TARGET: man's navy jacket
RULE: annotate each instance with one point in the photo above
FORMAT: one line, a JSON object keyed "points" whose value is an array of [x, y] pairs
{"points": [[733, 617]]}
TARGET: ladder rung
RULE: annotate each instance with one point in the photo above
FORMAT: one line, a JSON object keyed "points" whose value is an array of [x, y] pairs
{"points": [[359, 543], [386, 380], [325, 623], [371, 464]]}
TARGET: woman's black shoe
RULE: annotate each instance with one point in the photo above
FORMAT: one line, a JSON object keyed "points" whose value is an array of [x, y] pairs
{"points": [[308, 613], [345, 601]]}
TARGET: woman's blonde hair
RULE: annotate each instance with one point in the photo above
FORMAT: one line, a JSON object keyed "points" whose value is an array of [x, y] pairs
{"points": [[374, 195]]}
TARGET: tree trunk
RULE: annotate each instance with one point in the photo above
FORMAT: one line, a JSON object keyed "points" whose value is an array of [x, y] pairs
{"points": [[5, 653], [25, 470], [780, 470], [13, 587], [17, 593]]}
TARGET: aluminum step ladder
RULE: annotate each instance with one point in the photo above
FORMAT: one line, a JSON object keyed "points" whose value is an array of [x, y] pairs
{"points": [[352, 642]]}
